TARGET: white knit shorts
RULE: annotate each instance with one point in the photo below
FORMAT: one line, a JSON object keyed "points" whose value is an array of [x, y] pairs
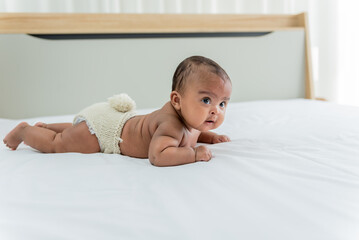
{"points": [[106, 120]]}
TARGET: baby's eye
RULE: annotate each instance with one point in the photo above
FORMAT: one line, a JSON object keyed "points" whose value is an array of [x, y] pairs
{"points": [[222, 104], [206, 100]]}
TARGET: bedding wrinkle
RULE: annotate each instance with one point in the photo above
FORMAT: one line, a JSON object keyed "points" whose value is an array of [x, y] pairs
{"points": [[326, 148], [312, 179], [294, 152], [283, 188], [264, 187], [338, 142], [319, 160]]}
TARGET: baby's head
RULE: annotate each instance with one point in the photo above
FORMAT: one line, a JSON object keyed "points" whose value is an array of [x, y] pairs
{"points": [[195, 65], [200, 92]]}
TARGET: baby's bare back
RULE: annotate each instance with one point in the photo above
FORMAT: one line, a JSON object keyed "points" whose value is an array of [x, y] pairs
{"points": [[139, 130]]}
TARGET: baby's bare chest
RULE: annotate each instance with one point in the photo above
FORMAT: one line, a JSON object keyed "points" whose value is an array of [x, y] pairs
{"points": [[189, 139]]}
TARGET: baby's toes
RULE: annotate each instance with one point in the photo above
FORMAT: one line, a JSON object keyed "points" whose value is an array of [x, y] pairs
{"points": [[39, 124]]}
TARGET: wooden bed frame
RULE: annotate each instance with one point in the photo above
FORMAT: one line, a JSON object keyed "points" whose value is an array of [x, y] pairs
{"points": [[159, 25]]}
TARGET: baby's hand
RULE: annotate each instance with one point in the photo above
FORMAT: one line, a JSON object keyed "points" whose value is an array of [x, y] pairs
{"points": [[220, 138], [203, 153]]}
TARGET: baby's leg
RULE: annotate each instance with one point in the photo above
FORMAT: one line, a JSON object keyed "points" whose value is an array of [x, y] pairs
{"points": [[73, 139], [57, 127]]}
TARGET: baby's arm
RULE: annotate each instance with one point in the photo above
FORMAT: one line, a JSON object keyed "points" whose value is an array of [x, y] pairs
{"points": [[211, 137], [164, 149]]}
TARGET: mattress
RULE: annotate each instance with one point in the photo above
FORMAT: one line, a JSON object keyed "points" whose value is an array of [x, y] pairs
{"points": [[291, 171]]}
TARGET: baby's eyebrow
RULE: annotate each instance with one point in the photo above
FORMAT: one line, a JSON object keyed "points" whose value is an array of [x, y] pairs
{"points": [[213, 95]]}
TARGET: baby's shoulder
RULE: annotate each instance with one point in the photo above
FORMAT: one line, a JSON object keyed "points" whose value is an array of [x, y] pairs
{"points": [[168, 119]]}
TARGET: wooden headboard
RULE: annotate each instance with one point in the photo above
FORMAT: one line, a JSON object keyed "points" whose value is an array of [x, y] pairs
{"points": [[55, 64]]}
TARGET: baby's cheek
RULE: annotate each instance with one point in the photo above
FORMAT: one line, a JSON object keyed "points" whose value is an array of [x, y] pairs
{"points": [[220, 121]]}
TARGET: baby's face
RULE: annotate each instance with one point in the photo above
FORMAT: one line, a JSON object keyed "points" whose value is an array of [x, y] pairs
{"points": [[204, 102]]}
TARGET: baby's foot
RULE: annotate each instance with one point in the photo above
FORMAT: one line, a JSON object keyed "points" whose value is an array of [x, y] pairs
{"points": [[13, 138], [40, 124]]}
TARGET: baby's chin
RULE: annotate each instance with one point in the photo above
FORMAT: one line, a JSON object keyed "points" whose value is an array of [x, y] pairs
{"points": [[207, 126]]}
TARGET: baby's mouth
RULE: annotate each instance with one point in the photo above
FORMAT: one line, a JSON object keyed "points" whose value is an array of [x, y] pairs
{"points": [[210, 121]]}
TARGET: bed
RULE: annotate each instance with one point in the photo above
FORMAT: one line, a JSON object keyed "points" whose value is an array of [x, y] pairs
{"points": [[291, 170]]}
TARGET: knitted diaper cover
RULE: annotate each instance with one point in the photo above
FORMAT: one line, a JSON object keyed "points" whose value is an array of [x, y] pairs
{"points": [[107, 119]]}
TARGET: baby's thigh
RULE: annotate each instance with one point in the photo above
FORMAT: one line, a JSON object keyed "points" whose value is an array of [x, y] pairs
{"points": [[79, 139]]}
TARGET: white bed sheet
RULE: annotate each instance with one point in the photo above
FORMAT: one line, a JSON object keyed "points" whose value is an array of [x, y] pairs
{"points": [[290, 172]]}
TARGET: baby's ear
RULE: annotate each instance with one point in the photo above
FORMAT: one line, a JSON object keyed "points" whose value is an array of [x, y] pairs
{"points": [[176, 100]]}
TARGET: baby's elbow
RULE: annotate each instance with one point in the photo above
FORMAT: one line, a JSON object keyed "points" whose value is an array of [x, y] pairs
{"points": [[158, 161], [154, 161]]}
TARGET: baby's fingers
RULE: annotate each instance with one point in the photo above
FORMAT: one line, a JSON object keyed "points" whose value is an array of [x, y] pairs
{"points": [[202, 154], [225, 138], [221, 138]]}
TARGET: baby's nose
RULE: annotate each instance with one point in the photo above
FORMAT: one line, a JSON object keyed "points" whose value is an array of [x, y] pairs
{"points": [[215, 110]]}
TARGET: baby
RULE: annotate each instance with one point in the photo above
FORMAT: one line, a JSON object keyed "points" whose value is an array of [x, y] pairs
{"points": [[200, 93]]}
